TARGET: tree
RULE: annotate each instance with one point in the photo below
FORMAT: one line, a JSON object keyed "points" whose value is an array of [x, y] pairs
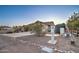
{"points": [[25, 27], [73, 22], [37, 28], [15, 29]]}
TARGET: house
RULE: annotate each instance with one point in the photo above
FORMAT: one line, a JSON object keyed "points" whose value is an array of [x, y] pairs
{"points": [[5, 29], [46, 26]]}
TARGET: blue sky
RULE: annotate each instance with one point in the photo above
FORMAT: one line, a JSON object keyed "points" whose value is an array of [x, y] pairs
{"points": [[24, 14]]}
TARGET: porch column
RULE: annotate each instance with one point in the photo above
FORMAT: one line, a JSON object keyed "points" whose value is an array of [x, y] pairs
{"points": [[52, 41]]}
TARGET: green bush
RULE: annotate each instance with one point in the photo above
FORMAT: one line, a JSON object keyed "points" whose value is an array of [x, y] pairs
{"points": [[37, 28]]}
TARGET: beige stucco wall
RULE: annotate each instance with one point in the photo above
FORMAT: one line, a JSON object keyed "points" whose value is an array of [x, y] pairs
{"points": [[45, 27]]}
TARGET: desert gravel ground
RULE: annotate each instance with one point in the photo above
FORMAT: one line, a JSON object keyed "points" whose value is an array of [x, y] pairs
{"points": [[64, 44], [28, 44], [32, 43]]}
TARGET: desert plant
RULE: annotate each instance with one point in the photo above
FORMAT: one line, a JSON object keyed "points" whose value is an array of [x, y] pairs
{"points": [[37, 28]]}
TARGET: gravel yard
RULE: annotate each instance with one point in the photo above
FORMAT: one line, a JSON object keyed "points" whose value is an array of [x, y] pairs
{"points": [[32, 44], [28, 44]]}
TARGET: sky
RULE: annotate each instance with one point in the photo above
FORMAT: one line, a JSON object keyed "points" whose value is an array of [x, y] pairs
{"points": [[12, 15]]}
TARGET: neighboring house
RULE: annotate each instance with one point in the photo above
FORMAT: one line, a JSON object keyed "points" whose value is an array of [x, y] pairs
{"points": [[46, 26], [5, 29]]}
